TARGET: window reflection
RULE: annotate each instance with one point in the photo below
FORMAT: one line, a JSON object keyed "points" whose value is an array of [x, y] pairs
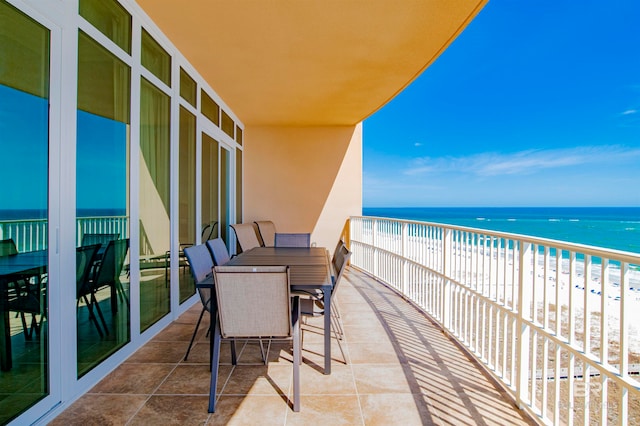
{"points": [[154, 204], [102, 179]]}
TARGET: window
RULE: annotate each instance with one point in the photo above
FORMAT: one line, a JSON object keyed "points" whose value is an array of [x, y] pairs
{"points": [[155, 58], [209, 108], [188, 88], [110, 18]]}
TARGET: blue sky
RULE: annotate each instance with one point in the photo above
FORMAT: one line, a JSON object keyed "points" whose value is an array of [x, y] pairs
{"points": [[536, 103]]}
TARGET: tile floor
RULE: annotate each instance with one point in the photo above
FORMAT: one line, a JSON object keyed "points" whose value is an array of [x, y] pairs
{"points": [[400, 370]]}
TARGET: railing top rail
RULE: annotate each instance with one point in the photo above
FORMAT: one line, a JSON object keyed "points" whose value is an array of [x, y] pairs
{"points": [[624, 256]]}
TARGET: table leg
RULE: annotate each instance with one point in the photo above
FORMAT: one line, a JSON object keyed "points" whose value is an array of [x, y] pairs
{"points": [[5, 335], [326, 290]]}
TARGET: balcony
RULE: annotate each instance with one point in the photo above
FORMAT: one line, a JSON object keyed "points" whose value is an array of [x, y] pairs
{"points": [[401, 369]]}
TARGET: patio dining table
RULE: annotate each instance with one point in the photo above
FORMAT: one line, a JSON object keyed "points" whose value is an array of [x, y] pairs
{"points": [[33, 262], [309, 270]]}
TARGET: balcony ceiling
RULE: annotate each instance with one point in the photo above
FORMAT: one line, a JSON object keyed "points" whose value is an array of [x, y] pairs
{"points": [[313, 62]]}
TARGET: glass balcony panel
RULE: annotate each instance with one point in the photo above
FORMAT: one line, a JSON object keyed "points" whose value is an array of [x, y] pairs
{"points": [[24, 124], [187, 198], [210, 182], [155, 116], [102, 209]]}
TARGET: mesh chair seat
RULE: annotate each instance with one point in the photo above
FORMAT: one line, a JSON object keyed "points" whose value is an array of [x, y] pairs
{"points": [[246, 236], [292, 240], [267, 231]]}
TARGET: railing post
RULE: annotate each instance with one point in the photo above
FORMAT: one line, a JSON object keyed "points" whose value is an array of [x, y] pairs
{"points": [[405, 264], [374, 243], [446, 270], [524, 333]]}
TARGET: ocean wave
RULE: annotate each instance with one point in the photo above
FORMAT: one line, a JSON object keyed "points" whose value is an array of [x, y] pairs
{"points": [[554, 220], [574, 220], [481, 218], [511, 220]]}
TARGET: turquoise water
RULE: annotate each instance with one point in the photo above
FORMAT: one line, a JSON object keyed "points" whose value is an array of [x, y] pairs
{"points": [[610, 227]]}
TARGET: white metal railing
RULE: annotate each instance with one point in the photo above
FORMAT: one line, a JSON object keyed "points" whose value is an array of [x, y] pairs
{"points": [[31, 234], [501, 294]]}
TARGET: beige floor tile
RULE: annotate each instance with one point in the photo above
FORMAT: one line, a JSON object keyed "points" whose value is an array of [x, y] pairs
{"points": [[396, 409], [259, 380], [134, 379], [339, 382], [375, 353], [160, 352], [93, 409], [331, 410], [250, 410], [173, 410], [375, 379], [193, 379]]}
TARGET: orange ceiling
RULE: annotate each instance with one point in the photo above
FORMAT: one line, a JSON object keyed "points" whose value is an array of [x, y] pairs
{"points": [[310, 62]]}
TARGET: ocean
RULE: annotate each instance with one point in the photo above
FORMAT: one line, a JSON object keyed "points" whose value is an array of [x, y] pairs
{"points": [[610, 227]]}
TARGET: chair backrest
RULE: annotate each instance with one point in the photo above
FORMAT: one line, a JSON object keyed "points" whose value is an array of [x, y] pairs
{"points": [[200, 262], [85, 256], [292, 240], [340, 261], [218, 251], [91, 239], [112, 262], [208, 231], [253, 301], [267, 231], [246, 235], [8, 247]]}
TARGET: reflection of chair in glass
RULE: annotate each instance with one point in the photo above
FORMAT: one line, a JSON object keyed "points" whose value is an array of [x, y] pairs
{"points": [[8, 247], [102, 239], [23, 292], [85, 257], [108, 271], [292, 240], [201, 263], [254, 303], [314, 305], [267, 231], [246, 236], [208, 231]]}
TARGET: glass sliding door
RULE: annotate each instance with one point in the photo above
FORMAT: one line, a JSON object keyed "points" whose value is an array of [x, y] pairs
{"points": [[210, 184], [225, 192], [187, 198], [155, 116], [102, 208], [24, 144]]}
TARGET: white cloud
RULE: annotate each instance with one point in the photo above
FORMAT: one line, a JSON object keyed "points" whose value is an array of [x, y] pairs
{"points": [[630, 111], [417, 144], [523, 162]]}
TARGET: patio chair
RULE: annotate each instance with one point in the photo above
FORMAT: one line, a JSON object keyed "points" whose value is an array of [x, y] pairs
{"points": [[292, 240], [267, 231], [314, 306], [201, 265], [218, 251], [254, 303], [246, 236], [85, 258]]}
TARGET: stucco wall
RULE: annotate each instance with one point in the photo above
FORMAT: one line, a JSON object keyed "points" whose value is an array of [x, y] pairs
{"points": [[304, 179]]}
